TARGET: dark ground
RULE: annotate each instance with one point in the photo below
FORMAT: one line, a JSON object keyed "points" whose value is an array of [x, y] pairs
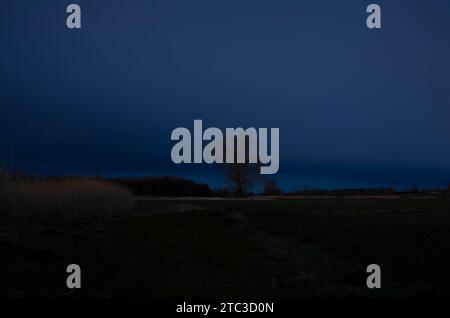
{"points": [[232, 248]]}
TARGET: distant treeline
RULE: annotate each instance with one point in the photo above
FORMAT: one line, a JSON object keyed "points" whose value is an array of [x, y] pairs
{"points": [[166, 186], [175, 186], [369, 191]]}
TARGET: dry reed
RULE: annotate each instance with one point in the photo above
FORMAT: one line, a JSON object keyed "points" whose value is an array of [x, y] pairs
{"points": [[26, 201]]}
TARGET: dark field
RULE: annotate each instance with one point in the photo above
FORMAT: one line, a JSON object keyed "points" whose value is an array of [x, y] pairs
{"points": [[231, 248]]}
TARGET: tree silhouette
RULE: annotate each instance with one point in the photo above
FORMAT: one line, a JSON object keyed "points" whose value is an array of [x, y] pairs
{"points": [[271, 188], [241, 177]]}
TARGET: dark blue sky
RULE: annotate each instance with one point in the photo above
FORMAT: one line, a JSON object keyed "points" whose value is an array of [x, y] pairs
{"points": [[365, 106]]}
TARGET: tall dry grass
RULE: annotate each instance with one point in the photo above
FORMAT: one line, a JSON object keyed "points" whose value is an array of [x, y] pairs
{"points": [[26, 201]]}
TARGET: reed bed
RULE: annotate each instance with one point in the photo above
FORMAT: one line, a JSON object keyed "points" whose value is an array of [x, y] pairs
{"points": [[25, 200]]}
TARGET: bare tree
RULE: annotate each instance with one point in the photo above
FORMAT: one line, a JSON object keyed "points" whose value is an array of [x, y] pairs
{"points": [[271, 188], [242, 177]]}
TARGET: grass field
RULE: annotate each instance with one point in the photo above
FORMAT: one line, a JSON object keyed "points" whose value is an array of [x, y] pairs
{"points": [[233, 248]]}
